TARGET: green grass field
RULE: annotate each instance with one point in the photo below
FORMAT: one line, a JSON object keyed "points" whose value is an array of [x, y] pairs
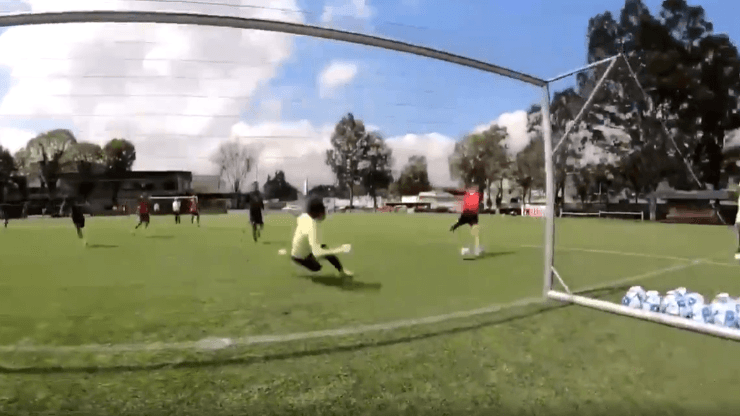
{"points": [[182, 283]]}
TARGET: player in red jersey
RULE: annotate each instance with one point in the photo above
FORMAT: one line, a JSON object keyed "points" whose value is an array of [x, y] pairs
{"points": [[143, 211], [469, 216], [194, 210]]}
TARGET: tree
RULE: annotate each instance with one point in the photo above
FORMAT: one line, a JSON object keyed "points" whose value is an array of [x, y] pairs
{"points": [[347, 150], [47, 156], [85, 155], [529, 167], [120, 155], [692, 77], [7, 169], [375, 165], [414, 177], [277, 187], [563, 110], [235, 161], [323, 191], [479, 159]]}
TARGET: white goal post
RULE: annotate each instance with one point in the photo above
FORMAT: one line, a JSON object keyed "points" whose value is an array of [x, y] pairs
{"points": [[549, 271]]}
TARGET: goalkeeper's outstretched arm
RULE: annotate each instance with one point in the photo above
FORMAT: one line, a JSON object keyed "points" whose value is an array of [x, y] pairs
{"points": [[320, 251]]}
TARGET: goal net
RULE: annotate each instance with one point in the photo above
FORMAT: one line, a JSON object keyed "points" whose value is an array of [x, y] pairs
{"points": [[164, 205], [617, 150], [619, 215]]}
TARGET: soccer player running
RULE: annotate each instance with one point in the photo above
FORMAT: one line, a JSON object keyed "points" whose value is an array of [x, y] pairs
{"points": [[306, 249], [469, 216], [143, 210], [176, 210], [256, 206], [78, 219], [194, 210]]}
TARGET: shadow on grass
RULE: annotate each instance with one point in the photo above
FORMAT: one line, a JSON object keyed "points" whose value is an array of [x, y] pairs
{"points": [[489, 255], [362, 345], [339, 283], [102, 246]]}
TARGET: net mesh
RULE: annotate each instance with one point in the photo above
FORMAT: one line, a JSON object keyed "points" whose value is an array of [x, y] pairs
{"points": [[619, 157]]}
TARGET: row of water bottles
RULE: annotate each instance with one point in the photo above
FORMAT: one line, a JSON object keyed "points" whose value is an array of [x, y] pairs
{"points": [[723, 310]]}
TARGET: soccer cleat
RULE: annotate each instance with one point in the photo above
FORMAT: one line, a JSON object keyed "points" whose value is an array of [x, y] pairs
{"points": [[346, 274]]}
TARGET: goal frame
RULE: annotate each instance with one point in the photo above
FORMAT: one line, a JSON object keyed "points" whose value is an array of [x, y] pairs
{"points": [[566, 295], [25, 19]]}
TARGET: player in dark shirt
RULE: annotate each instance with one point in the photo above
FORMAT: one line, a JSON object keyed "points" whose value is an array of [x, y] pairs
{"points": [[256, 206], [143, 210], [78, 219]]}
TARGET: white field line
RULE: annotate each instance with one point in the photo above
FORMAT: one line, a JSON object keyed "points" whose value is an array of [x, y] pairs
{"points": [[626, 253], [642, 276], [717, 263], [619, 253], [218, 343]]}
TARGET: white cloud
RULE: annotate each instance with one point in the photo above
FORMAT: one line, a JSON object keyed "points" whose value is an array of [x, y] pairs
{"points": [[337, 74], [135, 53], [342, 9], [297, 148], [516, 127], [128, 65], [434, 146], [15, 139]]}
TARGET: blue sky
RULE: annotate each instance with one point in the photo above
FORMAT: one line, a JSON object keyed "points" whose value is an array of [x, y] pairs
{"points": [[422, 106], [539, 37]]}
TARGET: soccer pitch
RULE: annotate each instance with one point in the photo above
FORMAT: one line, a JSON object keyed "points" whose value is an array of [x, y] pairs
{"points": [[177, 283]]}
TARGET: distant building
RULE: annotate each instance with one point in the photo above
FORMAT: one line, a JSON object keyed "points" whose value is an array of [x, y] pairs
{"points": [[208, 184], [127, 188]]}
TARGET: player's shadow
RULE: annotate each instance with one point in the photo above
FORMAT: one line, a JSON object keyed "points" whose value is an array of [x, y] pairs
{"points": [[102, 246], [161, 237], [343, 284], [495, 320], [489, 255]]}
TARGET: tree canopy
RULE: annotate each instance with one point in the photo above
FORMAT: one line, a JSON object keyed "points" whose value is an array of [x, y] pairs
{"points": [[414, 177], [235, 160]]}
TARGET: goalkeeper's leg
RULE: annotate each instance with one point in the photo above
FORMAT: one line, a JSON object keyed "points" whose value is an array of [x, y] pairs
{"points": [[737, 235], [334, 261]]}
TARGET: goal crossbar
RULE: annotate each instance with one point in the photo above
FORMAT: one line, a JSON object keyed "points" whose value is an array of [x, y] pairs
{"points": [[24, 19]]}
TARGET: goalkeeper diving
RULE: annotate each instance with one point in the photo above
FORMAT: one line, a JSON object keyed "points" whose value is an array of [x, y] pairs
{"points": [[307, 250]]}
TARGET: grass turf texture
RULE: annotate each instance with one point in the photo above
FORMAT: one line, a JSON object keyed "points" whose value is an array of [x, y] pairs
{"points": [[175, 283]]}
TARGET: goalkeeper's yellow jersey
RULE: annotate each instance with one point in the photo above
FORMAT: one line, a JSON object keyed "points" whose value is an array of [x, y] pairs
{"points": [[305, 239]]}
